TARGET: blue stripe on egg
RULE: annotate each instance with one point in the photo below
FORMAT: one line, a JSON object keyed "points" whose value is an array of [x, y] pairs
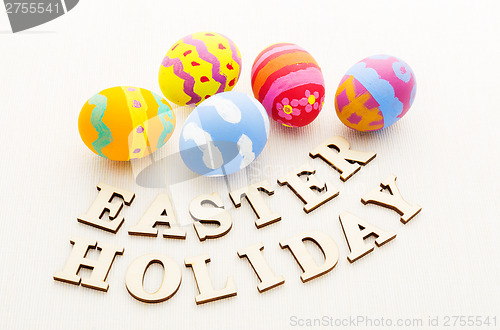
{"points": [[380, 89]]}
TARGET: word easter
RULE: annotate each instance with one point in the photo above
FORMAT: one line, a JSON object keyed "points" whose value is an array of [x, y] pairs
{"points": [[335, 151]]}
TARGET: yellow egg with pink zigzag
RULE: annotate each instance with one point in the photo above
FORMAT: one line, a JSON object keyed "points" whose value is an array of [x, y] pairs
{"points": [[198, 66]]}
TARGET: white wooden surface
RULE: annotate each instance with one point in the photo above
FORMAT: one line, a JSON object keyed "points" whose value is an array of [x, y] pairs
{"points": [[444, 152]]}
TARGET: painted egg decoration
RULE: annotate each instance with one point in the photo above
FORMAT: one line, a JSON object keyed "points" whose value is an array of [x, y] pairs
{"points": [[123, 123], [375, 93], [224, 134], [199, 66], [289, 83]]}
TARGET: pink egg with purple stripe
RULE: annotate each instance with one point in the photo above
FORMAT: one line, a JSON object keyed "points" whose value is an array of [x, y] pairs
{"points": [[375, 93]]}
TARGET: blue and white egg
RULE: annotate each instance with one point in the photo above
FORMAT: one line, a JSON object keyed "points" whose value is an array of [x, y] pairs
{"points": [[224, 134]]}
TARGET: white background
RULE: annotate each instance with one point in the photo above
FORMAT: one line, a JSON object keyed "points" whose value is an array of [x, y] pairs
{"points": [[444, 152]]}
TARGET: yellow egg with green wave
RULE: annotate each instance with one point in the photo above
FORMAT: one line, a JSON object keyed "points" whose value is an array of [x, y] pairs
{"points": [[123, 123]]}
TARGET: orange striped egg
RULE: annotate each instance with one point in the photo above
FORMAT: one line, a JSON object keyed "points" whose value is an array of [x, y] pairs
{"points": [[288, 82], [123, 123]]}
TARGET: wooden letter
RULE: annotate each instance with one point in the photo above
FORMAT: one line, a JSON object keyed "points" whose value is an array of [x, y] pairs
{"points": [[252, 193], [307, 190], [134, 278], [160, 212], [268, 279], [205, 287], [356, 230], [309, 267], [100, 267], [103, 203], [393, 201], [214, 215], [340, 158]]}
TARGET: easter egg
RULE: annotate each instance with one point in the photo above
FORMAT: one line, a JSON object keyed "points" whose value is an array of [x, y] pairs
{"points": [[199, 66], [288, 82], [375, 93], [224, 134], [123, 123]]}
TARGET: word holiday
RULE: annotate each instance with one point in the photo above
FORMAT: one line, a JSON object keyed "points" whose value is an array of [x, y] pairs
{"points": [[313, 192]]}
